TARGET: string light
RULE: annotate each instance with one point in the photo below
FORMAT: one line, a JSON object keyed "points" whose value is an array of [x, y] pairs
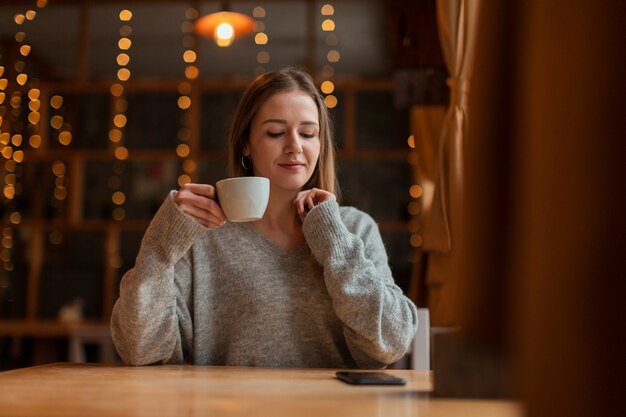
{"points": [[59, 195], [261, 39], [185, 102], [414, 207], [61, 128], [19, 121], [332, 56], [119, 120], [416, 240]]}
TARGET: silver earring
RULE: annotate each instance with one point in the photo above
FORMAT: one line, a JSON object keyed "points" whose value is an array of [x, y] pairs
{"points": [[246, 162]]}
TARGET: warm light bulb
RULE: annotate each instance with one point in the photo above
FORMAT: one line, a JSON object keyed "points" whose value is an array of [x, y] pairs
{"points": [[224, 34], [331, 101], [224, 26], [184, 179], [260, 38], [327, 87]]}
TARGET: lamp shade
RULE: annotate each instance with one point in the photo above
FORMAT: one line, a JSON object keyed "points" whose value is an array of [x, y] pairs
{"points": [[224, 26]]}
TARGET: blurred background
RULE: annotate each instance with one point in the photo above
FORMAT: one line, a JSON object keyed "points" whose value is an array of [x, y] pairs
{"points": [[108, 105], [485, 137]]}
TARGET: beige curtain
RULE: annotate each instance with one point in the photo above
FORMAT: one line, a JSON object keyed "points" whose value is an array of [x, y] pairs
{"points": [[442, 177]]}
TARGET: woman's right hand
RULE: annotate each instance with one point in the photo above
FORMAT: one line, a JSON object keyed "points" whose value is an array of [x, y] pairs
{"points": [[198, 201]]}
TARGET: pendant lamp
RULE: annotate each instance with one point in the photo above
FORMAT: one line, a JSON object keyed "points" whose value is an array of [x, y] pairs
{"points": [[224, 26]]}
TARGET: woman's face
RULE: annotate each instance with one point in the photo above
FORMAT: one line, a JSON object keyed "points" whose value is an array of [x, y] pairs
{"points": [[284, 140]]}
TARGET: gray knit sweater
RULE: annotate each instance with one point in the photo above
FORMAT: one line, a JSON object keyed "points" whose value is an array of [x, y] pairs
{"points": [[229, 296]]}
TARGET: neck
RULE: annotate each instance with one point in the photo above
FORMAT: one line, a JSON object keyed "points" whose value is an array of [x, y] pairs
{"points": [[281, 212], [281, 223]]}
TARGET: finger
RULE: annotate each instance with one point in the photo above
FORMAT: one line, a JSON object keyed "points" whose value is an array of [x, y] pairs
{"points": [[214, 215], [316, 196], [204, 216], [322, 195], [205, 190], [302, 216], [187, 198], [207, 223], [214, 209], [310, 202], [200, 220], [185, 194], [299, 201]]}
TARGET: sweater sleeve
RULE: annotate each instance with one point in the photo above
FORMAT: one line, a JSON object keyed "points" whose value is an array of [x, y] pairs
{"points": [[152, 310], [379, 321]]}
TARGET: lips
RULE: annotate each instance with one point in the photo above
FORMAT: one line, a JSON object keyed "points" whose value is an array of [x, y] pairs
{"points": [[291, 165]]}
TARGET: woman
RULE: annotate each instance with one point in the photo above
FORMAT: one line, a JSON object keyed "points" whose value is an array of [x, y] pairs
{"points": [[308, 285]]}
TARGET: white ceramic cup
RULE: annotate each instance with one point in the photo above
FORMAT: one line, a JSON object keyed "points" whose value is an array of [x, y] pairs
{"points": [[243, 199]]}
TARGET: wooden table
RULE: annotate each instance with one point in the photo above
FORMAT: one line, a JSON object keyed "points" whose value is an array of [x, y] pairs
{"points": [[68, 390]]}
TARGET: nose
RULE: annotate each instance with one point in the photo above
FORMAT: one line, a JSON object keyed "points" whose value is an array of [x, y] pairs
{"points": [[292, 143]]}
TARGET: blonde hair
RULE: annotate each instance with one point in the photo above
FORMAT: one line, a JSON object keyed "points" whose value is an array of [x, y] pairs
{"points": [[257, 93]]}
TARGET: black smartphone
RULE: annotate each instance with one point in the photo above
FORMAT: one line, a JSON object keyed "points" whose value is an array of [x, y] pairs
{"points": [[369, 378]]}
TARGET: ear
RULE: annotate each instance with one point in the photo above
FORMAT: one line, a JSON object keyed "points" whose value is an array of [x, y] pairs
{"points": [[246, 150]]}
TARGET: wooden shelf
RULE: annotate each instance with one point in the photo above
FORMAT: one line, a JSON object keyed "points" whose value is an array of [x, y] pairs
{"points": [[52, 328], [87, 225], [78, 334], [141, 225], [214, 84], [47, 155]]}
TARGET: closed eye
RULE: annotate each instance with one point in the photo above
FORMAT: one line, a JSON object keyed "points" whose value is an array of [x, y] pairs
{"points": [[274, 134], [307, 135]]}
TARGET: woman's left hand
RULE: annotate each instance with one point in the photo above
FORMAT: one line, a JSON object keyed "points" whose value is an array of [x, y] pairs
{"points": [[307, 199]]}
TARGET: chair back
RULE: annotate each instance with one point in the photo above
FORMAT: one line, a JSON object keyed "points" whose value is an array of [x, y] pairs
{"points": [[420, 357]]}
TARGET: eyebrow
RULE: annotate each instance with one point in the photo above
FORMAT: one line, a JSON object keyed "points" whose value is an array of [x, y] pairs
{"points": [[284, 122]]}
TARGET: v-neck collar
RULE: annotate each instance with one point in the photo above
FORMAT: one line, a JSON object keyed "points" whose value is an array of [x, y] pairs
{"points": [[269, 244]]}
